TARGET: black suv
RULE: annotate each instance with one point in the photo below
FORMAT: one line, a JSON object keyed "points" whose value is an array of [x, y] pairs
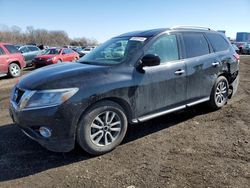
{"points": [[131, 78]]}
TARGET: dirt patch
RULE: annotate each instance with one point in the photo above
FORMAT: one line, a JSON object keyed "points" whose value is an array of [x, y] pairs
{"points": [[192, 148]]}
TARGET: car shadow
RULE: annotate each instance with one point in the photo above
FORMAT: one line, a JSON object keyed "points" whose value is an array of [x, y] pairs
{"points": [[21, 156]]}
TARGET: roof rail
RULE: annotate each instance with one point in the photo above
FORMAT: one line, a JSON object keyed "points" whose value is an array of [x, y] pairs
{"points": [[190, 27]]}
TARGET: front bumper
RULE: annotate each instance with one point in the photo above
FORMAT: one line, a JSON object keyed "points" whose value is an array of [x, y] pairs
{"points": [[29, 121], [42, 63]]}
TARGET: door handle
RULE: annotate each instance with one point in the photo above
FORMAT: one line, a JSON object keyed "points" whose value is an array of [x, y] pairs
{"points": [[216, 63], [179, 72]]}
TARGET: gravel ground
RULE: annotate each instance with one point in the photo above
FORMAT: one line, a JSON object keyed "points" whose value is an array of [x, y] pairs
{"points": [[192, 148]]}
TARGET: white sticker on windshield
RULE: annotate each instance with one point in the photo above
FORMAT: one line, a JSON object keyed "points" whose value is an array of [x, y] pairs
{"points": [[140, 39]]}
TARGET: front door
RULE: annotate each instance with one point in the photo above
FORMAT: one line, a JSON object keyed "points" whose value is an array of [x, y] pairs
{"points": [[162, 87], [3, 62]]}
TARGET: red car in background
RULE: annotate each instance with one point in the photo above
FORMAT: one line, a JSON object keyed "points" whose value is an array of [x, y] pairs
{"points": [[11, 60], [55, 55]]}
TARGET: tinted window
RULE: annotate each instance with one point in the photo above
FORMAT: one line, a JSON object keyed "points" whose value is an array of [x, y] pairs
{"points": [[166, 48], [70, 51], [12, 49], [52, 51], [33, 48], [218, 42], [195, 44], [1, 51], [24, 49]]}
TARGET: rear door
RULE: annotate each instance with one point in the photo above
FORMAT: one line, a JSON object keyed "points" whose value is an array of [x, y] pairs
{"points": [[200, 60], [162, 87], [71, 55], [34, 51], [27, 54], [65, 55], [3, 61]]}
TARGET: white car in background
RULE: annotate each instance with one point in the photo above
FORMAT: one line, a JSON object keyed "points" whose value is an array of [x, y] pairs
{"points": [[87, 50]]}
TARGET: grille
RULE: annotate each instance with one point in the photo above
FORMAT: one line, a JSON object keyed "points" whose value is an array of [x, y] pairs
{"points": [[18, 95]]}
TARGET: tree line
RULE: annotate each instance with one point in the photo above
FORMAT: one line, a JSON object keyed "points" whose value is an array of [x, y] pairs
{"points": [[15, 35]]}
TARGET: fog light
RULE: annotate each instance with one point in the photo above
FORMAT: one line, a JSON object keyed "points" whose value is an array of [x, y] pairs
{"points": [[45, 132]]}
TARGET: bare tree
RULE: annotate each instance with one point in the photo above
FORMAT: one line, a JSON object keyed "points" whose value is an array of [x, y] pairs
{"points": [[41, 36]]}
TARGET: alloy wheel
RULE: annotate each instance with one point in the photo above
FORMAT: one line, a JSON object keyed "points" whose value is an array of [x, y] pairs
{"points": [[105, 128], [15, 70], [221, 93]]}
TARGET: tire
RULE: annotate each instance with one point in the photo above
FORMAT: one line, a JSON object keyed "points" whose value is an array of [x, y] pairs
{"points": [[59, 61], [219, 93], [14, 70], [74, 60], [97, 134]]}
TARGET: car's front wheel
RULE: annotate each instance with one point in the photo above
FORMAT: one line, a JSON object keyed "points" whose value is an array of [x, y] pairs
{"points": [[219, 94], [102, 128], [75, 59], [59, 61], [14, 70]]}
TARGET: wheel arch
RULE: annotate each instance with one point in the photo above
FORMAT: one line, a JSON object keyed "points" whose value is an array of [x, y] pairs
{"points": [[226, 75], [17, 62], [122, 102]]}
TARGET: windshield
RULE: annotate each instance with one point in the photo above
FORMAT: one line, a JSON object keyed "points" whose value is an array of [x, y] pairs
{"points": [[52, 51], [114, 51]]}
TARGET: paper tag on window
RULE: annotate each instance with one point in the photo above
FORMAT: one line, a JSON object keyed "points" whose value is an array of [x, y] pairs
{"points": [[140, 39]]}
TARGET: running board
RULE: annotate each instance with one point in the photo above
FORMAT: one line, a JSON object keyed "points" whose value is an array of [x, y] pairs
{"points": [[151, 116]]}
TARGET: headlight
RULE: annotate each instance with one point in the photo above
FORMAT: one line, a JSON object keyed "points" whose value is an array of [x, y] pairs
{"points": [[46, 98]]}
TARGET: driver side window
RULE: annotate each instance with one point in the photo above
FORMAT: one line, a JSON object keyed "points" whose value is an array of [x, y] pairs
{"points": [[166, 48], [64, 52]]}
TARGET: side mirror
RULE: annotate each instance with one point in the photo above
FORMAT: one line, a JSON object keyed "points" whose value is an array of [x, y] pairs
{"points": [[63, 53], [148, 60]]}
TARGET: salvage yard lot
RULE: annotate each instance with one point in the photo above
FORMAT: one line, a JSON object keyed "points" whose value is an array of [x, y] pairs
{"points": [[192, 148]]}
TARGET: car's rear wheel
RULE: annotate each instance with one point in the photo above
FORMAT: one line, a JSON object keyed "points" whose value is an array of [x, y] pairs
{"points": [[102, 128], [14, 70], [219, 94]]}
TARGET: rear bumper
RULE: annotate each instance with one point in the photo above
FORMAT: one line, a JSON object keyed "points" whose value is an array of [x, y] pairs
{"points": [[234, 85]]}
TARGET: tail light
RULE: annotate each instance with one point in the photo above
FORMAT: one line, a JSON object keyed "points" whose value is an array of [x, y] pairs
{"points": [[237, 56]]}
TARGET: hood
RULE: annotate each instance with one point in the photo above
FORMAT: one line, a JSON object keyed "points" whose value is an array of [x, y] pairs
{"points": [[45, 56], [62, 75]]}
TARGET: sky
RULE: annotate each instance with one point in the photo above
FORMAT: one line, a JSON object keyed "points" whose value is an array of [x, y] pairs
{"points": [[103, 19]]}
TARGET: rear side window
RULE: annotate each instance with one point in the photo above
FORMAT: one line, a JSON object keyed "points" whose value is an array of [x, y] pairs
{"points": [[12, 49], [195, 44], [24, 49], [1, 51], [33, 48], [218, 42], [166, 48]]}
